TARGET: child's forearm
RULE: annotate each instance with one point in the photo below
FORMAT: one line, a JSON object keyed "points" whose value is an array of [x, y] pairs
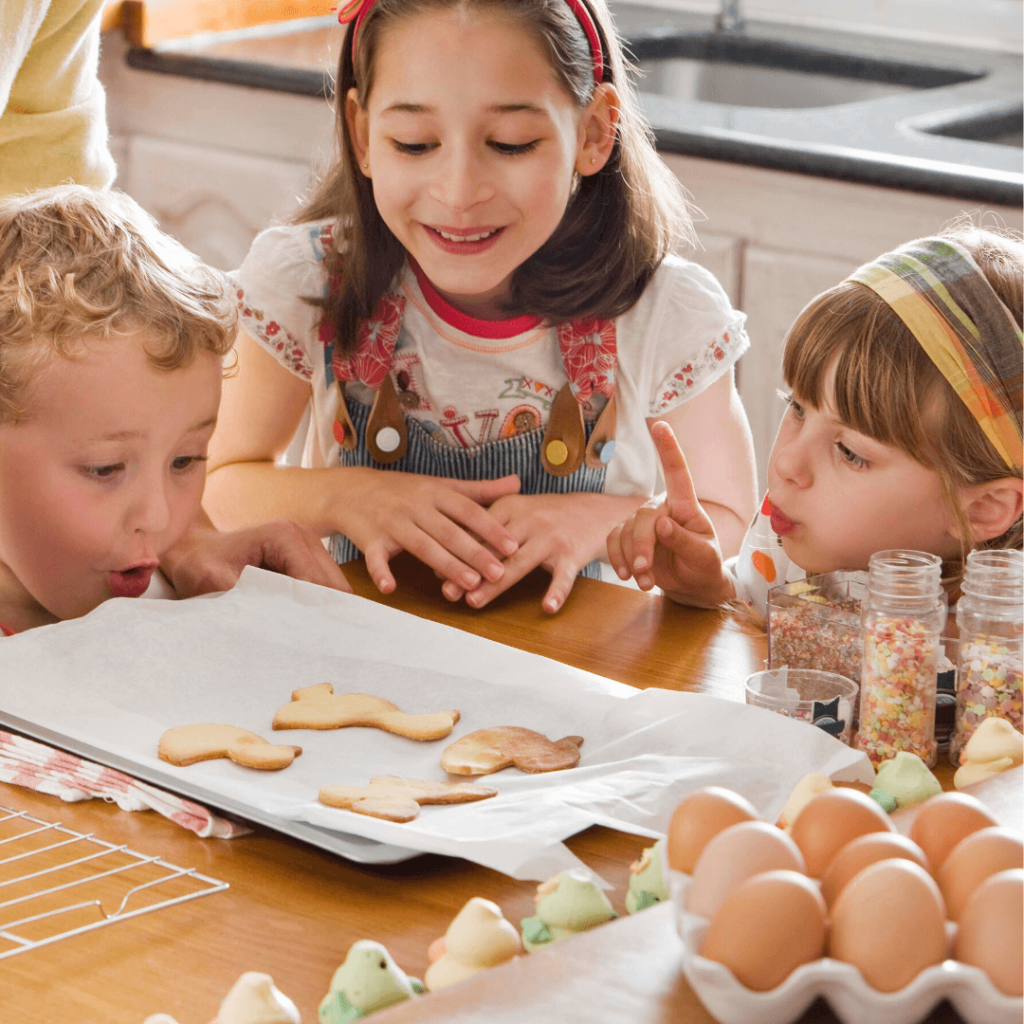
{"points": [[243, 494], [729, 526]]}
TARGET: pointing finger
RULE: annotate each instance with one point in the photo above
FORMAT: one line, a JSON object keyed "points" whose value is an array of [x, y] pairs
{"points": [[680, 496]]}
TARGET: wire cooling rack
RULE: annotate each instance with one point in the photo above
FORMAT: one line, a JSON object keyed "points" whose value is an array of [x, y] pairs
{"points": [[56, 883]]}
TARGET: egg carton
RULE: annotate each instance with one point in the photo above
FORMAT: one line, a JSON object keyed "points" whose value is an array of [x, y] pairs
{"points": [[852, 999]]}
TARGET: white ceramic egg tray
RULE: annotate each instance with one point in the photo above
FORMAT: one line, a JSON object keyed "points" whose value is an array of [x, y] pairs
{"points": [[852, 999]]}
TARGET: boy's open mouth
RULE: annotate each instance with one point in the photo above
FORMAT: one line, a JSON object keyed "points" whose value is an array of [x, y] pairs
{"points": [[132, 582]]}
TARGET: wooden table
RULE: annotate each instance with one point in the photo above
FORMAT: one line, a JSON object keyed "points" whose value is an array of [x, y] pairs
{"points": [[293, 911]]}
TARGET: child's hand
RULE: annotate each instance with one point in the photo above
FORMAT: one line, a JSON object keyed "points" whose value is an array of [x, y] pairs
{"points": [[672, 545], [442, 522], [559, 532], [206, 560]]}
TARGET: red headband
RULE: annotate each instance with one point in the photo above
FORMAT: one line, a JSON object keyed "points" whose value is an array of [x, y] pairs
{"points": [[349, 10]]}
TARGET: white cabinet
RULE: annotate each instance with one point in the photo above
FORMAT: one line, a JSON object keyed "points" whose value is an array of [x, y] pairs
{"points": [[214, 163], [783, 238]]}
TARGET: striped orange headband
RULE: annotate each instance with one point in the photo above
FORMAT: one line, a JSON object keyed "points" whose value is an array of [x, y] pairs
{"points": [[939, 292], [356, 10]]}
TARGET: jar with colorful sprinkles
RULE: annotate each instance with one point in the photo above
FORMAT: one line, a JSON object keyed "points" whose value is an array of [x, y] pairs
{"points": [[991, 620], [903, 615]]}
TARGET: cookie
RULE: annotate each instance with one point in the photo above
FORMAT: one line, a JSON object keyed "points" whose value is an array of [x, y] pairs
{"points": [[395, 799], [490, 750], [188, 744], [319, 707]]}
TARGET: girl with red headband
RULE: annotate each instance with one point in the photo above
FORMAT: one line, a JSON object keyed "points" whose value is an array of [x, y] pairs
{"points": [[481, 307], [903, 430]]}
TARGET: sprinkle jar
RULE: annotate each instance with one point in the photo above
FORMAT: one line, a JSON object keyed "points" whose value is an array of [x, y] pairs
{"points": [[991, 620], [816, 623], [903, 615]]}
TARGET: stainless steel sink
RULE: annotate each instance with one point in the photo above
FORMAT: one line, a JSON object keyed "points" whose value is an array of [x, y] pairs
{"points": [[1003, 128], [737, 70]]}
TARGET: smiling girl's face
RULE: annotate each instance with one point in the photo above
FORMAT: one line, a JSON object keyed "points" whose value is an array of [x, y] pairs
{"points": [[101, 477], [838, 496], [471, 143]]}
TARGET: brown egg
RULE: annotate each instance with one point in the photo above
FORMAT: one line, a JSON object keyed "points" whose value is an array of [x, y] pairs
{"points": [[975, 858], [944, 820], [734, 855], [745, 933], [832, 820], [856, 855], [698, 819], [889, 922], [990, 935]]}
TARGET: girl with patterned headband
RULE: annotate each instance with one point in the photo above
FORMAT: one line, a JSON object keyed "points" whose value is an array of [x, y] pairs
{"points": [[903, 431], [481, 305]]}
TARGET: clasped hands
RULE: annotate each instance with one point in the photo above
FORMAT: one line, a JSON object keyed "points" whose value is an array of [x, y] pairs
{"points": [[479, 537]]}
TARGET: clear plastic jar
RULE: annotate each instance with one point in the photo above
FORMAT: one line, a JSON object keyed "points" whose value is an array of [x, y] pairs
{"points": [[903, 616], [991, 620]]}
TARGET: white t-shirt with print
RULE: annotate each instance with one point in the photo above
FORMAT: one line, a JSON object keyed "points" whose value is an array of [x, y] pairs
{"points": [[467, 380]]}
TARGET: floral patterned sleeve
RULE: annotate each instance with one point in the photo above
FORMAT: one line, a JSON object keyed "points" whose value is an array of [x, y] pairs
{"points": [[284, 268], [700, 337]]}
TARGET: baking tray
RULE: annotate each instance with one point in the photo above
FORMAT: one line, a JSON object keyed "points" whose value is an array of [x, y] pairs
{"points": [[107, 685], [352, 847]]}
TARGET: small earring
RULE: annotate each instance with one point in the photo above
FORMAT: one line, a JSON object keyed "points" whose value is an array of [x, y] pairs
{"points": [[366, 167], [593, 159]]}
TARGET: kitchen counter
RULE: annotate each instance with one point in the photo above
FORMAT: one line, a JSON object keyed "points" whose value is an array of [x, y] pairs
{"points": [[927, 118]]}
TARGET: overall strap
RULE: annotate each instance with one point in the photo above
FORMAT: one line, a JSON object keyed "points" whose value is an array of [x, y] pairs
{"points": [[370, 363], [590, 359], [589, 356]]}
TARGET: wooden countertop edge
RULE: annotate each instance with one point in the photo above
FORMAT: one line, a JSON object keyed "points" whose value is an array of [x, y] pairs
{"points": [[149, 22]]}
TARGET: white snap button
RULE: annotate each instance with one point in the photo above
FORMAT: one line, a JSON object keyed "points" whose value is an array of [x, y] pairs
{"points": [[388, 439]]}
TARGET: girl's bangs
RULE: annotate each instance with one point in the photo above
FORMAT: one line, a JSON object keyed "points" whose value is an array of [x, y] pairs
{"points": [[873, 382]]}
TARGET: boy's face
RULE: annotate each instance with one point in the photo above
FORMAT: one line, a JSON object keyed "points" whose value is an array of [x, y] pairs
{"points": [[839, 496], [104, 474]]}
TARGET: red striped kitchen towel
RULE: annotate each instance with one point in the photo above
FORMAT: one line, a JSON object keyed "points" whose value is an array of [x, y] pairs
{"points": [[24, 762]]}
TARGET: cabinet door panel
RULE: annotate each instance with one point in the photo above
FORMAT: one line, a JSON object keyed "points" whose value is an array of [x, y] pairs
{"points": [[776, 286]]}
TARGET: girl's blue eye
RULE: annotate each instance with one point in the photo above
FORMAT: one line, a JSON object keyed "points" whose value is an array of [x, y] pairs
{"points": [[795, 407], [512, 149], [185, 462], [850, 457]]}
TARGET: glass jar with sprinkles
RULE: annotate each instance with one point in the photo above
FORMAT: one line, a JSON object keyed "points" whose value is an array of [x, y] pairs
{"points": [[903, 616], [991, 620]]}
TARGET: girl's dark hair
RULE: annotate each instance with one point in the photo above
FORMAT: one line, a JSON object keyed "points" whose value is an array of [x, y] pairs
{"points": [[619, 224]]}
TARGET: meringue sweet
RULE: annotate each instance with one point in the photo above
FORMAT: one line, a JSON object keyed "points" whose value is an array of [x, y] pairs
{"points": [[567, 904], [479, 937], [906, 779], [368, 980], [647, 884], [803, 793], [994, 747], [254, 999]]}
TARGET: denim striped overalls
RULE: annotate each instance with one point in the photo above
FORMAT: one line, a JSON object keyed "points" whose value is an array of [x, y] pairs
{"points": [[384, 436]]}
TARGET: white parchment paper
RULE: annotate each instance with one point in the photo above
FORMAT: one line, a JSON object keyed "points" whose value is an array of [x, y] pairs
{"points": [[116, 679]]}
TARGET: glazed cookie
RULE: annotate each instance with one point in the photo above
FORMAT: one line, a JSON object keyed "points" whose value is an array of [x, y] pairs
{"points": [[490, 750], [188, 744], [395, 799], [319, 707]]}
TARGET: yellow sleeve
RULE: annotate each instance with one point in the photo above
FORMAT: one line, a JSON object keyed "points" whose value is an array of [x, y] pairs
{"points": [[53, 124]]}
